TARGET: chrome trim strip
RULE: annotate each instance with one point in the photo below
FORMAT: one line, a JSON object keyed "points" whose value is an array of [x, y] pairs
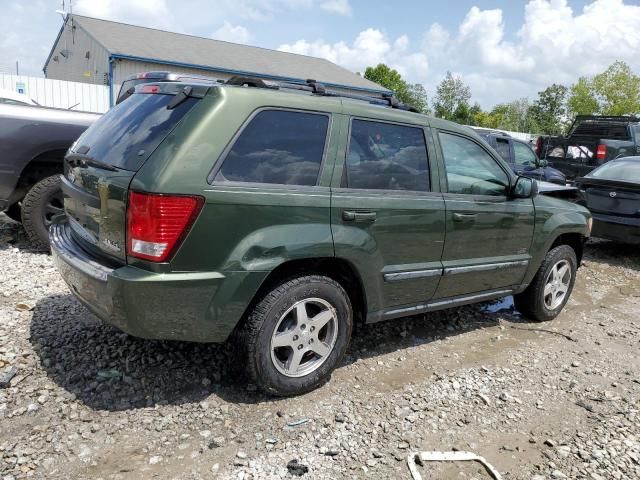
{"points": [[62, 246], [473, 298], [487, 267], [408, 310], [397, 276], [449, 302]]}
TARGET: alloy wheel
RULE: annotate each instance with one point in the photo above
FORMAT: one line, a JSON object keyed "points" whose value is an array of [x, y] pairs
{"points": [[556, 285], [304, 337]]}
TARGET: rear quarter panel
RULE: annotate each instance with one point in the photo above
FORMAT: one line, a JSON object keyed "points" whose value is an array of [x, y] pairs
{"points": [[244, 231], [243, 227]]}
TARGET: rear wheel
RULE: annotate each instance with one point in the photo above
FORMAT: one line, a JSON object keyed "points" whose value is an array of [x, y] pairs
{"points": [[551, 287], [41, 203], [297, 335]]}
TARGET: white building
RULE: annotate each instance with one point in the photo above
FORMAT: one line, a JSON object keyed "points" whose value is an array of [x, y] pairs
{"points": [[102, 52]]}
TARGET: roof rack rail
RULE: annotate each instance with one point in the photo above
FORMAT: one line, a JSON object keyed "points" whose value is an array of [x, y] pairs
{"points": [[242, 81], [317, 88]]}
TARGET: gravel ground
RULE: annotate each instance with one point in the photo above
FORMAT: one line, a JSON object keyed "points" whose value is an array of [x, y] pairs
{"points": [[538, 401]]}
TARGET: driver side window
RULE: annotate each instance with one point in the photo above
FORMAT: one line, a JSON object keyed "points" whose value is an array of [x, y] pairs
{"points": [[523, 155], [470, 169], [385, 156]]}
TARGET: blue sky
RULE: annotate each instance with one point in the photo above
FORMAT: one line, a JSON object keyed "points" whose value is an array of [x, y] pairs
{"points": [[504, 50]]}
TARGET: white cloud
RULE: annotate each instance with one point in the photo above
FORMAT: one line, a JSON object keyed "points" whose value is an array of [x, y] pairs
{"points": [[481, 36], [232, 33], [341, 7], [369, 48], [554, 44], [27, 35]]}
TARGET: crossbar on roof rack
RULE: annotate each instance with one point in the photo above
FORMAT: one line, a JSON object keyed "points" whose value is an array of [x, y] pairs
{"points": [[317, 88]]}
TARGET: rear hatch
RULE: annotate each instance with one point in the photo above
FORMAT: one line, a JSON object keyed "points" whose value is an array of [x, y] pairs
{"points": [[612, 198], [101, 164]]}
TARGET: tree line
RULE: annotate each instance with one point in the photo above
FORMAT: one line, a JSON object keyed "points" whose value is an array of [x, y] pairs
{"points": [[616, 91]]}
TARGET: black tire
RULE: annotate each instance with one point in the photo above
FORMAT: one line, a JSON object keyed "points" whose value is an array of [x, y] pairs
{"points": [[531, 303], [41, 203], [14, 212], [261, 323]]}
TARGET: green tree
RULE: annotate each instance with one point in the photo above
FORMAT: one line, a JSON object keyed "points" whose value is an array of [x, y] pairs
{"points": [[516, 116], [452, 99], [548, 113], [417, 97], [582, 98], [618, 90], [476, 115], [409, 94]]}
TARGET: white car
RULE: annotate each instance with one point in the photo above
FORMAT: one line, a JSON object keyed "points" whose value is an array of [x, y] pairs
{"points": [[14, 98]]}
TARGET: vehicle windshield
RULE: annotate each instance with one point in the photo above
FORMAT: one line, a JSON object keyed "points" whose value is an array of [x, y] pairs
{"points": [[619, 170]]}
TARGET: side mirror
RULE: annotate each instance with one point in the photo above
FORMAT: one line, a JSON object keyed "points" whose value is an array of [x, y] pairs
{"points": [[543, 162], [524, 188]]}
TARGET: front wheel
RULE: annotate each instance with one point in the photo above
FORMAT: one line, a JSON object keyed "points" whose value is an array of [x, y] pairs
{"points": [[551, 287], [297, 335]]}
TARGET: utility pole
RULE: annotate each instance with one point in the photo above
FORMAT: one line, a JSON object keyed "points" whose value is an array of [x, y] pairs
{"points": [[17, 69]]}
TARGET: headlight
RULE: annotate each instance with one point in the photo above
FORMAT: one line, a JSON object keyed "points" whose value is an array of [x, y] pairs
{"points": [[589, 225]]}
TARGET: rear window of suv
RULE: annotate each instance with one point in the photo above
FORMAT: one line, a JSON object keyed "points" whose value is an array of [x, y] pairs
{"points": [[277, 147], [127, 135]]}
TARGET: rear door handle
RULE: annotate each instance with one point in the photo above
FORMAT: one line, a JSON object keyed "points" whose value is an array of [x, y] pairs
{"points": [[353, 216], [464, 217]]}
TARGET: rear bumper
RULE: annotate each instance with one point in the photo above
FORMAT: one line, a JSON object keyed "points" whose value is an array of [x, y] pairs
{"points": [[192, 306], [618, 229]]}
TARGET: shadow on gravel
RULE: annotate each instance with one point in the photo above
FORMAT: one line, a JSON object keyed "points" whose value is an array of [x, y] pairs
{"points": [[12, 235], [604, 251], [107, 369]]}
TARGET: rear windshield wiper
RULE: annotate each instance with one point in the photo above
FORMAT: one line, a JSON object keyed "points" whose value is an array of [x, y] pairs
{"points": [[78, 159]]}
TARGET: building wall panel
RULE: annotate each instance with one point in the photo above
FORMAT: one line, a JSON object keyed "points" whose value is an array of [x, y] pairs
{"points": [[69, 58], [59, 93]]}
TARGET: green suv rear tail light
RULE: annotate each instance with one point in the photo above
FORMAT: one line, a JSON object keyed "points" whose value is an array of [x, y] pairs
{"points": [[157, 224]]}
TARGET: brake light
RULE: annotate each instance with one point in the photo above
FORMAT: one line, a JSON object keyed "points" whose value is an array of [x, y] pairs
{"points": [[601, 152], [157, 224], [150, 89]]}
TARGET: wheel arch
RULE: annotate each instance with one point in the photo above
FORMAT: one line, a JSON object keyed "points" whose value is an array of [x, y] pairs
{"points": [[43, 165], [335, 268], [574, 240]]}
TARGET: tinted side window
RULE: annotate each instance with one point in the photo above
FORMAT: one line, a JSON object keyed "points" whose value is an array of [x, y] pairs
{"points": [[523, 154], [383, 156], [470, 169], [502, 147], [278, 147]]}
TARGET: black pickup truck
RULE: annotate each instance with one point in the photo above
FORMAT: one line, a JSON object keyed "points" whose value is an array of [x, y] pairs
{"points": [[592, 140]]}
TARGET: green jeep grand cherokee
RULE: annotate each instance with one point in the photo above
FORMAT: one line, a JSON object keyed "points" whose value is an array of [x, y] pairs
{"points": [[283, 215]]}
